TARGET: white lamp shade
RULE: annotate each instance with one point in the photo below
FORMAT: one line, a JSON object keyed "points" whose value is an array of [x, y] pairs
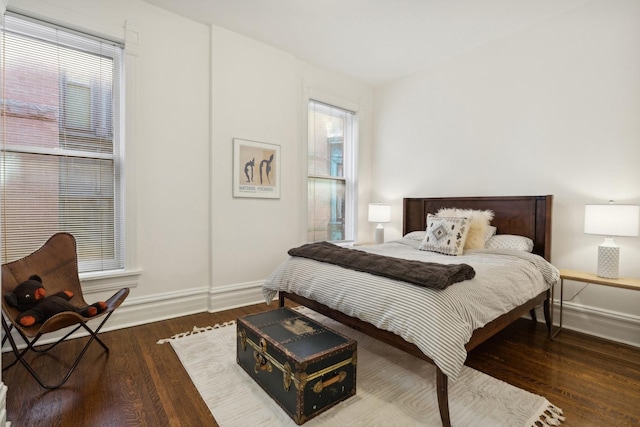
{"points": [[612, 220], [379, 212]]}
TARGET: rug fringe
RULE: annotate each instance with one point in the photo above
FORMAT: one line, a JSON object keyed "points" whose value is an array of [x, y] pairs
{"points": [[548, 415], [197, 330]]}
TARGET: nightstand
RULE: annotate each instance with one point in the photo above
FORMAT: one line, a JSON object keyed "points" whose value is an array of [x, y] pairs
{"points": [[581, 276]]}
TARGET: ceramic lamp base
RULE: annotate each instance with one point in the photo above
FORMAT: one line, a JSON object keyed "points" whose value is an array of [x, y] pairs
{"points": [[379, 237], [608, 261]]}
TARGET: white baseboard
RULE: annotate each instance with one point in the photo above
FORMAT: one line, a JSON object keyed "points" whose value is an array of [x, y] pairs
{"points": [[610, 325], [607, 324], [233, 296], [148, 309]]}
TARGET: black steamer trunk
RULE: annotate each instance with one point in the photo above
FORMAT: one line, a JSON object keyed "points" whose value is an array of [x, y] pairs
{"points": [[301, 364]]}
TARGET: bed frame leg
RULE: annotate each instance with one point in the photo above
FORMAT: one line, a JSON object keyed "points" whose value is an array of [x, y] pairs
{"points": [[280, 299], [442, 386]]}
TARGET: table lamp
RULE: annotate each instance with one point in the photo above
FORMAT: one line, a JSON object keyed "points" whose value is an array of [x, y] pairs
{"points": [[380, 213], [610, 220]]}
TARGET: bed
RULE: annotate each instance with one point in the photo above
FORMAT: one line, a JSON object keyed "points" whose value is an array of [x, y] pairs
{"points": [[436, 325]]}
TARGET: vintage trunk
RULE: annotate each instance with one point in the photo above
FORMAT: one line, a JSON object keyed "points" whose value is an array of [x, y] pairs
{"points": [[301, 364]]}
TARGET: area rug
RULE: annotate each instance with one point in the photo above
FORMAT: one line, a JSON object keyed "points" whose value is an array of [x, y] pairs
{"points": [[393, 388]]}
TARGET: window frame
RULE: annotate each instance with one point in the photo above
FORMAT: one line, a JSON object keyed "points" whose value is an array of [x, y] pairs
{"points": [[119, 264], [349, 164]]}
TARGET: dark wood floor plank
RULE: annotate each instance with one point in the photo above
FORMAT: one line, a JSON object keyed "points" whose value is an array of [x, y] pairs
{"points": [[596, 382], [575, 372]]}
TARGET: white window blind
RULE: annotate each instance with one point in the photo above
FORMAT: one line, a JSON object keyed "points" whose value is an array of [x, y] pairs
{"points": [[331, 173], [62, 131]]}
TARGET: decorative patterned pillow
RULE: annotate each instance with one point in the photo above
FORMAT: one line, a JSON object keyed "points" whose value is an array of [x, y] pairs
{"points": [[478, 224], [510, 241], [445, 235]]}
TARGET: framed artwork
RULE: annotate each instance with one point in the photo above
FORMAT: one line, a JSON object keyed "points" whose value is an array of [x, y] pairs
{"points": [[256, 169]]}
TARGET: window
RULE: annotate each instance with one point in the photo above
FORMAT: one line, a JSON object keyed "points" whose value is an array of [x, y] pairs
{"points": [[331, 171], [62, 120]]}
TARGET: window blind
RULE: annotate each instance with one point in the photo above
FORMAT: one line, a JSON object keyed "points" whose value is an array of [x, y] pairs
{"points": [[62, 134]]}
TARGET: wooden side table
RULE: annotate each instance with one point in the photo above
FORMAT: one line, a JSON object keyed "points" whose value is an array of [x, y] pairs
{"points": [[581, 276]]}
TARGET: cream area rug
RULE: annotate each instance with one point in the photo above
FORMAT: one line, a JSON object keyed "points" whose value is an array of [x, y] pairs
{"points": [[392, 388]]}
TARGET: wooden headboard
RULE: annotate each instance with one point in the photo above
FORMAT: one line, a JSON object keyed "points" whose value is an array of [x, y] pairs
{"points": [[528, 216]]}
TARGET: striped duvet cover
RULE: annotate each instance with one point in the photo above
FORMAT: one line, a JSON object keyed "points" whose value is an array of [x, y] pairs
{"points": [[438, 322]]}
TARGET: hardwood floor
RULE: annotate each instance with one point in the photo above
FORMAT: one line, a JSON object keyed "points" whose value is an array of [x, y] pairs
{"points": [[141, 383]]}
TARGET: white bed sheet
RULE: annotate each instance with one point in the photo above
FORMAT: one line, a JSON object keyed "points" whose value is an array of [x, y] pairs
{"points": [[438, 322]]}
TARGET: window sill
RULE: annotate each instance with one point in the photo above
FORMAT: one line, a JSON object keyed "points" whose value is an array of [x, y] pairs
{"points": [[109, 280]]}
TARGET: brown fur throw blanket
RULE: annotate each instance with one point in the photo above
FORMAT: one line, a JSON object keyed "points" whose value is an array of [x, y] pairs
{"points": [[427, 274]]}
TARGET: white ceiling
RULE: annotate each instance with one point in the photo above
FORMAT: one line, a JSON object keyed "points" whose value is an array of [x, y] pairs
{"points": [[371, 40]]}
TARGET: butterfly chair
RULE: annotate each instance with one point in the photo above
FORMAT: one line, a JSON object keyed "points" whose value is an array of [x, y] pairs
{"points": [[56, 263]]}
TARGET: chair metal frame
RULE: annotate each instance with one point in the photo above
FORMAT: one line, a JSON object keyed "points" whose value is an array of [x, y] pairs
{"points": [[56, 263]]}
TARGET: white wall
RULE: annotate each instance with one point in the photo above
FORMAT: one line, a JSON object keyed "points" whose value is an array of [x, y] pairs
{"points": [[254, 97], [552, 109], [258, 93]]}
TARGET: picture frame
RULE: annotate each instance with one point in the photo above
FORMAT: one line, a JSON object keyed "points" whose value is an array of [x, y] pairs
{"points": [[256, 169]]}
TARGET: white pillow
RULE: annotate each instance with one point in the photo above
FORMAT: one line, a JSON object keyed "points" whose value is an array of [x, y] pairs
{"points": [[491, 231], [416, 235], [510, 241], [478, 224], [445, 235]]}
